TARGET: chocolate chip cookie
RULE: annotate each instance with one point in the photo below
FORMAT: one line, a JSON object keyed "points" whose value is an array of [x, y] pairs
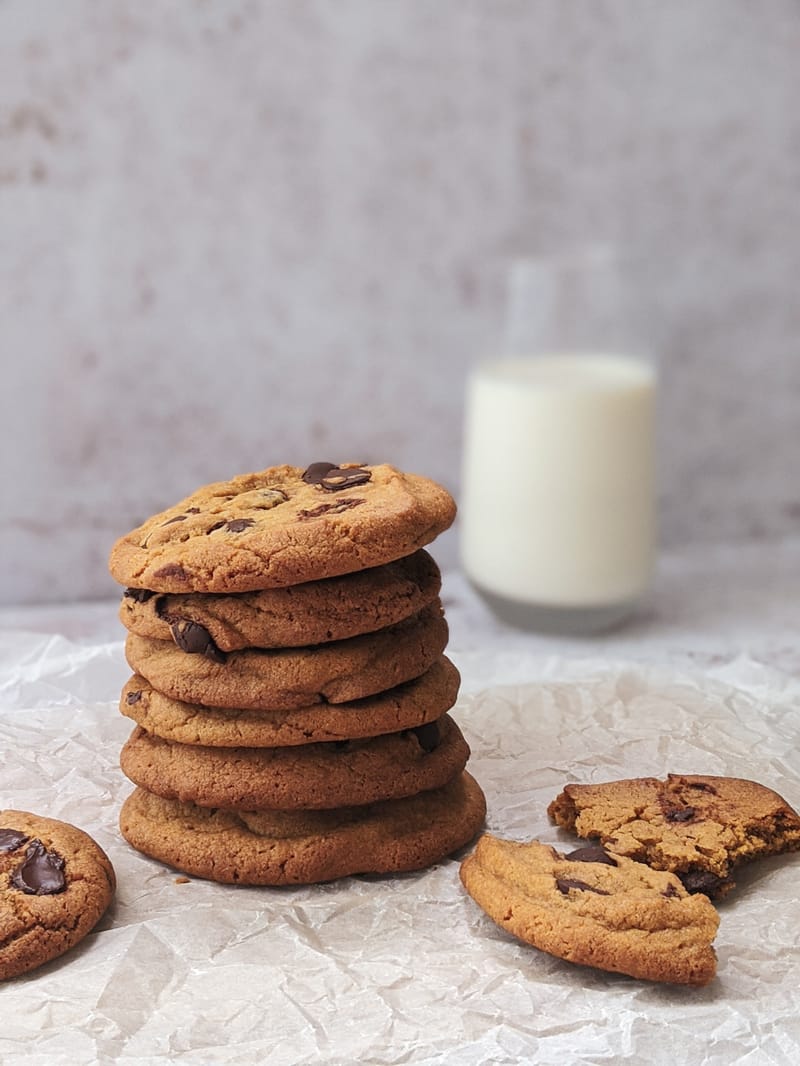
{"points": [[408, 705], [304, 847], [700, 828], [55, 885], [594, 908], [283, 526], [286, 678], [320, 775], [312, 613]]}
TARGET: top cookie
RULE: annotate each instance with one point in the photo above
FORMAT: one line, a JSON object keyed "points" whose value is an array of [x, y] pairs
{"points": [[283, 526], [699, 827]]}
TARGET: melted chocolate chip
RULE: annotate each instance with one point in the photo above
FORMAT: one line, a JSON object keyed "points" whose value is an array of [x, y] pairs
{"points": [[564, 884], [316, 472], [139, 595], [428, 736], [329, 508], [193, 510], [195, 639], [41, 873], [702, 881], [177, 518], [681, 814], [592, 853], [172, 570], [337, 479], [133, 697], [238, 525], [11, 839], [670, 892]]}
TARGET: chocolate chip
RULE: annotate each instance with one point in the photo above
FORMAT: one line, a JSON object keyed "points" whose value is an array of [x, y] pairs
{"points": [[592, 853], [316, 472], [428, 736], [238, 525], [337, 479], [133, 697], [139, 595], [195, 639], [702, 881], [564, 884], [670, 892], [177, 518], [171, 570], [329, 508], [11, 839], [193, 510], [42, 872], [681, 814]]}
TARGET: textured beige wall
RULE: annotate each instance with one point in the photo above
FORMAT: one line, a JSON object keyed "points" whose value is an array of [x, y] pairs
{"points": [[237, 233]]}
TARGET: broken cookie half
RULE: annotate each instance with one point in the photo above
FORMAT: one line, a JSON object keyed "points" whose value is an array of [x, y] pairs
{"points": [[596, 909], [697, 827]]}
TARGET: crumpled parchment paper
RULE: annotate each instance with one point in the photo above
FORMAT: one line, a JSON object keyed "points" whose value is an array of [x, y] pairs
{"points": [[401, 969]]}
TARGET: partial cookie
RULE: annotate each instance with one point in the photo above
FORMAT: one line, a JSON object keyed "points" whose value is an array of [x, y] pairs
{"points": [[286, 678], [593, 908], [698, 827], [338, 774], [304, 847], [412, 704], [55, 885], [311, 613], [283, 526]]}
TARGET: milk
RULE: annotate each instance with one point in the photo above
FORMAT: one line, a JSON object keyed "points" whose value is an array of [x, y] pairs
{"points": [[557, 504]]}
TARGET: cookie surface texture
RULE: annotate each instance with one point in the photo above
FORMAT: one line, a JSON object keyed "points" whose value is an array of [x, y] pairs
{"points": [[412, 704], [281, 679], [338, 774], [598, 910], [304, 847], [698, 827], [312, 613], [283, 526], [55, 885]]}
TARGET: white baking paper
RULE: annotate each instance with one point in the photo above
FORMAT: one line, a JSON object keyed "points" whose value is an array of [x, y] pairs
{"points": [[402, 969]]}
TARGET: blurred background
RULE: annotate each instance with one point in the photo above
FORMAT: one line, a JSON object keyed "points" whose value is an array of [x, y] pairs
{"points": [[238, 233]]}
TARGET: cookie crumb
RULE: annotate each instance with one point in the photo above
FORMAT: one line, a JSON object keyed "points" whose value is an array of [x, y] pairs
{"points": [[183, 880]]}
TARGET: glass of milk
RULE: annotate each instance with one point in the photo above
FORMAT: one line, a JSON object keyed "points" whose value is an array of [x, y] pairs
{"points": [[557, 511]]}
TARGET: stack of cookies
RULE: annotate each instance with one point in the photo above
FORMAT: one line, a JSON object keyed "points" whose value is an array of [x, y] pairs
{"points": [[290, 687]]}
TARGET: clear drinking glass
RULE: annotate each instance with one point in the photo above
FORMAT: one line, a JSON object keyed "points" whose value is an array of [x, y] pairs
{"points": [[557, 512]]}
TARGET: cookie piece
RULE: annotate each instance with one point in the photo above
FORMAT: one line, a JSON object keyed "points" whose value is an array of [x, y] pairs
{"points": [[55, 885], [339, 774], [412, 704], [698, 827], [305, 847], [313, 613], [283, 526], [596, 909], [286, 678]]}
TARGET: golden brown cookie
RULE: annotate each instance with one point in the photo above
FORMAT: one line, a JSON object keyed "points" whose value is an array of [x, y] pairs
{"points": [[596, 909], [408, 705], [55, 885], [303, 847], [285, 678], [283, 526], [699, 827], [338, 774], [312, 613]]}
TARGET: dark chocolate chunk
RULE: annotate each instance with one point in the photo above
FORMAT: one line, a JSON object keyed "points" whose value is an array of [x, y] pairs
{"points": [[172, 570], [238, 525], [427, 735], [681, 814], [702, 881], [329, 508], [139, 595], [11, 839], [337, 479], [41, 873], [564, 884], [316, 472], [133, 697], [195, 639], [592, 853]]}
